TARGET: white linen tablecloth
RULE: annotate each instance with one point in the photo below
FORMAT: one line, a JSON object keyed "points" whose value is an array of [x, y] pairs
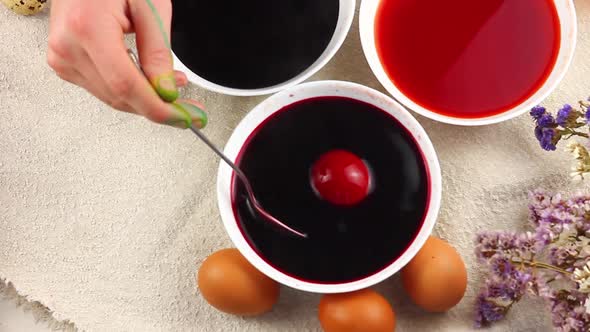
{"points": [[105, 217]]}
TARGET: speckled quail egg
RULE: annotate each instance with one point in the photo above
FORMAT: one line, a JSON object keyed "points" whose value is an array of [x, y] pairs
{"points": [[25, 7]]}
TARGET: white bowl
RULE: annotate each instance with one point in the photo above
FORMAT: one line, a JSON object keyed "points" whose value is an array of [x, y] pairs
{"points": [[318, 89], [568, 23], [345, 17]]}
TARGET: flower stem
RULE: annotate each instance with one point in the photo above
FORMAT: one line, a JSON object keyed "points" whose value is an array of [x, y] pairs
{"points": [[542, 265], [572, 132]]}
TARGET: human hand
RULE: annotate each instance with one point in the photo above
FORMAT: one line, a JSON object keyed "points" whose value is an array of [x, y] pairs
{"points": [[86, 47]]}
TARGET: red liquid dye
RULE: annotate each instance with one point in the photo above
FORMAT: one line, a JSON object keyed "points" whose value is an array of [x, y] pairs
{"points": [[346, 242], [467, 58]]}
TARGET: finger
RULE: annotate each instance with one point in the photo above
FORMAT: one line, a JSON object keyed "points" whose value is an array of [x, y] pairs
{"points": [[109, 54], [63, 54], [195, 110], [94, 83], [192, 102], [180, 78], [67, 56], [62, 68], [81, 72], [151, 20], [104, 95]]}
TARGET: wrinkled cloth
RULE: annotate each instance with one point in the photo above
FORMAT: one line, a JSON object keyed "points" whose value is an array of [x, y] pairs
{"points": [[105, 217]]}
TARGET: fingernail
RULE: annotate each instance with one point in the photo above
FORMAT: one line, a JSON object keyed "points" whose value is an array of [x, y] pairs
{"points": [[197, 115], [185, 114], [181, 79], [179, 117], [165, 86]]}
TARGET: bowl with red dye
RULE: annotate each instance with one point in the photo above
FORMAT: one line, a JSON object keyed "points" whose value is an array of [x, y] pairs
{"points": [[467, 62], [346, 165]]}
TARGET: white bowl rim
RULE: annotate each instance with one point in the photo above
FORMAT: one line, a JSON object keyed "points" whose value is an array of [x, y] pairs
{"points": [[317, 89], [346, 15], [569, 30]]}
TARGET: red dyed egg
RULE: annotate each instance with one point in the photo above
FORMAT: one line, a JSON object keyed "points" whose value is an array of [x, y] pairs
{"points": [[341, 178]]}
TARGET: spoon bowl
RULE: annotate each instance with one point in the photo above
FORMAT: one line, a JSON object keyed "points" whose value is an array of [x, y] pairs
{"points": [[256, 206]]}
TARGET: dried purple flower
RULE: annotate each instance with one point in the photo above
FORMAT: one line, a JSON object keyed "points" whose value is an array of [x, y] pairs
{"points": [[570, 121], [543, 236], [499, 289], [537, 112], [565, 115], [538, 202], [507, 289], [488, 312], [557, 254], [546, 121], [490, 244], [568, 311], [538, 133], [501, 266], [563, 256], [526, 244], [522, 278], [507, 241], [552, 215], [582, 225], [548, 139]]}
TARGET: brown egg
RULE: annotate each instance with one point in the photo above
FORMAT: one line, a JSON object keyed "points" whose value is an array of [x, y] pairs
{"points": [[436, 278], [232, 285], [360, 311]]}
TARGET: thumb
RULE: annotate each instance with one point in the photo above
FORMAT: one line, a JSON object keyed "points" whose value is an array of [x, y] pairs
{"points": [[152, 20]]}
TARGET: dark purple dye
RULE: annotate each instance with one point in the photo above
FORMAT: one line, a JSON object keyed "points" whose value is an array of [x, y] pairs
{"points": [[344, 243], [251, 44]]}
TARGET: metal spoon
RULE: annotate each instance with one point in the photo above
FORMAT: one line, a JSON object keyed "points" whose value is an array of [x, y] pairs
{"points": [[253, 201]]}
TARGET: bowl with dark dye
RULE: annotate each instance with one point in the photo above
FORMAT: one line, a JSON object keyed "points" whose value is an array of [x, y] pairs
{"points": [[292, 146], [256, 47]]}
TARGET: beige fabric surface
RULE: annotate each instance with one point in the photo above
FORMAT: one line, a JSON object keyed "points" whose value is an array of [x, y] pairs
{"points": [[105, 217]]}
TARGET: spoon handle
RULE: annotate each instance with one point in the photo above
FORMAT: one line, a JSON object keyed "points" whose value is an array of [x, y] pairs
{"points": [[236, 169], [217, 151]]}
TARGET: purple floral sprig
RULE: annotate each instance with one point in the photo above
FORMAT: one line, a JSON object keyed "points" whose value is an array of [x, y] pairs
{"points": [[568, 122], [552, 262]]}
